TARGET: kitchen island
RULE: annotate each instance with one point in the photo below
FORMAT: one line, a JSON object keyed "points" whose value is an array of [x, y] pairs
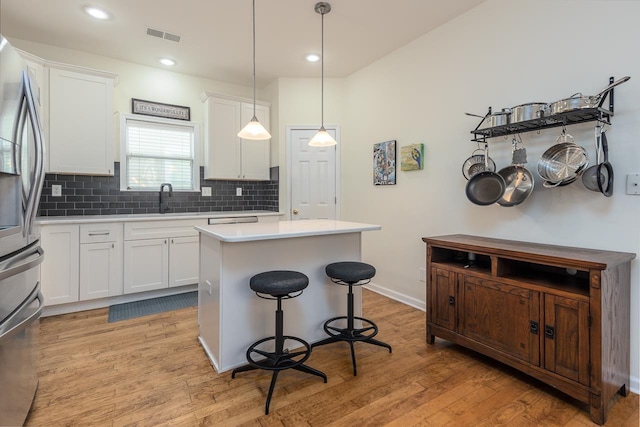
{"points": [[230, 315]]}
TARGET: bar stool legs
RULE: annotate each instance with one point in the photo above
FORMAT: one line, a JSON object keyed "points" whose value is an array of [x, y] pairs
{"points": [[351, 273], [280, 358], [351, 334]]}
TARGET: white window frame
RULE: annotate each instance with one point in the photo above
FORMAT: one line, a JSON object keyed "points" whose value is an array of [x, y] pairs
{"points": [[195, 127]]}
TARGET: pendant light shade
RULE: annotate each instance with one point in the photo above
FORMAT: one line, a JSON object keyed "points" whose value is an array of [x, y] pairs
{"points": [[322, 138], [254, 129]]}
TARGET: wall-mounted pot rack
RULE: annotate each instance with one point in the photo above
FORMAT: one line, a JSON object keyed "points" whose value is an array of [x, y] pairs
{"points": [[566, 118]]}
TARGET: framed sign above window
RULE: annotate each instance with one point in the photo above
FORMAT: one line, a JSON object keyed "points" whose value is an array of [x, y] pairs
{"points": [[158, 109]]}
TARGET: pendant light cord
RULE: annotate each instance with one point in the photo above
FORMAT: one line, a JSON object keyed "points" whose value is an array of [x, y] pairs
{"points": [[254, 58], [321, 72]]}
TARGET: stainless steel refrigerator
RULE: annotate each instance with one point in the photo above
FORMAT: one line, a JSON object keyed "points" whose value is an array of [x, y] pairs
{"points": [[21, 180]]}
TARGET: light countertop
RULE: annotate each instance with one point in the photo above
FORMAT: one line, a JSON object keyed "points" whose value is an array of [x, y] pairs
{"points": [[282, 229], [89, 219]]}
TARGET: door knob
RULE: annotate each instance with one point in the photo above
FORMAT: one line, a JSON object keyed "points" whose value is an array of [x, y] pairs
{"points": [[295, 211]]}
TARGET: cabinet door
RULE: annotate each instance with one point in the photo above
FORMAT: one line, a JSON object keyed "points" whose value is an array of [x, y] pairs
{"points": [[443, 295], [566, 337], [255, 154], [222, 145], [146, 265], [59, 274], [183, 261], [80, 123], [100, 270], [501, 316]]}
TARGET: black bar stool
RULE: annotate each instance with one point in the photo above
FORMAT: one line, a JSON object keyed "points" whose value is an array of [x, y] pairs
{"points": [[350, 273], [278, 285]]}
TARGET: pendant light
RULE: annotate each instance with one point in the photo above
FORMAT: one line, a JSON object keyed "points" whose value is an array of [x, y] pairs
{"points": [[254, 130], [322, 138]]}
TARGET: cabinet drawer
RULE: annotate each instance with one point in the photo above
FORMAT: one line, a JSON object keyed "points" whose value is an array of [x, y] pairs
{"points": [[162, 229], [99, 233]]}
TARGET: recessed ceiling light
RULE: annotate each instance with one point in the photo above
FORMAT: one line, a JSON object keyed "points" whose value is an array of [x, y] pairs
{"points": [[167, 61], [312, 57], [96, 13]]}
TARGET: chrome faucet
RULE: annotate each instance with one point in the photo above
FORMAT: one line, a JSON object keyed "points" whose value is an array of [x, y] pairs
{"points": [[164, 205]]}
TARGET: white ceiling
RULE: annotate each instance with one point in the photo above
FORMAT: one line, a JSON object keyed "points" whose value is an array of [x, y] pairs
{"points": [[216, 34]]}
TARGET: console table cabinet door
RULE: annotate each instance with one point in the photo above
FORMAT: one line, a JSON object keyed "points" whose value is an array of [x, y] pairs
{"points": [[501, 316], [566, 337], [443, 295]]}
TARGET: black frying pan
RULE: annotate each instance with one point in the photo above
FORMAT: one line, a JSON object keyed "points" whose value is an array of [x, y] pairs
{"points": [[605, 170], [487, 187]]}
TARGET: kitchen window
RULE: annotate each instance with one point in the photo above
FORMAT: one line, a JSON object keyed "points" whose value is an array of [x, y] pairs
{"points": [[155, 151]]}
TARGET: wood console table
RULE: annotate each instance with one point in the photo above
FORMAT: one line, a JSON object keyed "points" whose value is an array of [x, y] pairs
{"points": [[559, 314]]}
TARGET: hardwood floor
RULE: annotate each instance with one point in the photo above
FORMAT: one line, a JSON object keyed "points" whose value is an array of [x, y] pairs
{"points": [[152, 371]]}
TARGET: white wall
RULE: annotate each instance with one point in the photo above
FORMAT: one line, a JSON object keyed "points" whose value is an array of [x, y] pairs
{"points": [[501, 54]]}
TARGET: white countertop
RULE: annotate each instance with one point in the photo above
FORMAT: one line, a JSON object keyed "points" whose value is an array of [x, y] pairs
{"points": [[282, 229], [89, 219]]}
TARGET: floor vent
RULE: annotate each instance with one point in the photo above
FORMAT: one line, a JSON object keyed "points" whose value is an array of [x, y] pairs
{"points": [[163, 35]]}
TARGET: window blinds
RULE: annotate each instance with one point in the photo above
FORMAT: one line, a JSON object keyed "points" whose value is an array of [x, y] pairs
{"points": [[158, 153]]}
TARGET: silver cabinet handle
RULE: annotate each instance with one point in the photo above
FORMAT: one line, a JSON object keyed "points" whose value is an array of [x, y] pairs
{"points": [[100, 234]]}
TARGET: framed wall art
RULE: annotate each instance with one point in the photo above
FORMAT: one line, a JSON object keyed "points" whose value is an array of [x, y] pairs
{"points": [[412, 157], [384, 163], [158, 109]]}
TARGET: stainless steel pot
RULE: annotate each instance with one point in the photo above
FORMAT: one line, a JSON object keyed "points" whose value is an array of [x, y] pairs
{"points": [[578, 102], [529, 111], [496, 119], [493, 120], [562, 163]]}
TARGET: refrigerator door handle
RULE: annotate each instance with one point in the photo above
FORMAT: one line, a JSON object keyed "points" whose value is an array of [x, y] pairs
{"points": [[27, 264], [7, 330], [36, 185]]}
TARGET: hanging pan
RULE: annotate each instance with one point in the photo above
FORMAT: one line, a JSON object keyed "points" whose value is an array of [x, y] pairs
{"points": [[475, 163], [518, 180], [486, 187]]}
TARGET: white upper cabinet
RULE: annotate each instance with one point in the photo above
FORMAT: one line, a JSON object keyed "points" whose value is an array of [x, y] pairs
{"points": [[226, 155], [80, 122]]}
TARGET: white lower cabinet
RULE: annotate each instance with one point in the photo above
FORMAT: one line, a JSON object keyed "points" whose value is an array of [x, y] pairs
{"points": [[59, 273], [146, 265], [160, 254], [183, 261], [100, 260]]}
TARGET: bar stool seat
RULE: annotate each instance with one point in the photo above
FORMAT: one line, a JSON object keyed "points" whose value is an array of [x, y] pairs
{"points": [[278, 285], [351, 273]]}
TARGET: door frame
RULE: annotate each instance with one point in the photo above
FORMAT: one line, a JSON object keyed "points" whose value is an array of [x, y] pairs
{"points": [[288, 144]]}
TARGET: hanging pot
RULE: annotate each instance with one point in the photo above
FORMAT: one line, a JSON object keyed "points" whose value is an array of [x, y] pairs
{"points": [[577, 101], [487, 187], [562, 163]]}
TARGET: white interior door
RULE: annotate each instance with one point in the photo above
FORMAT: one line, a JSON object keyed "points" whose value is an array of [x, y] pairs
{"points": [[313, 181]]}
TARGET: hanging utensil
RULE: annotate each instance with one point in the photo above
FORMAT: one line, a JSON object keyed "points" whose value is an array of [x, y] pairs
{"points": [[487, 187], [605, 184], [476, 163], [590, 177]]}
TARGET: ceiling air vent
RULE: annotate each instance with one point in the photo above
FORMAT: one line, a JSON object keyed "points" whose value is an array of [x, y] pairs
{"points": [[163, 35]]}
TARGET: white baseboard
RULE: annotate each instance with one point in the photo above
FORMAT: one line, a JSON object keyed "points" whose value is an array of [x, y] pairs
{"points": [[54, 310], [634, 385], [413, 302], [634, 382]]}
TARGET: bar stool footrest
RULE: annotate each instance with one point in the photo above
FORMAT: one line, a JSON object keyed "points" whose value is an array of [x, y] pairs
{"points": [[368, 331]]}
